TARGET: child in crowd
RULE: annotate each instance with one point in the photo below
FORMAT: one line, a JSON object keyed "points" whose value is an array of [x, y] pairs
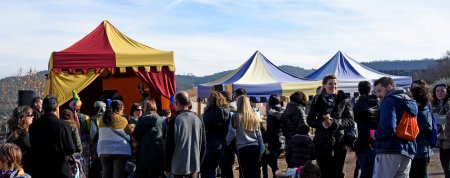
{"points": [[10, 162], [300, 149], [309, 170]]}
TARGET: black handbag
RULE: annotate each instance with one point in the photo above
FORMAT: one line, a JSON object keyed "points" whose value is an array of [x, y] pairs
{"points": [[350, 135]]}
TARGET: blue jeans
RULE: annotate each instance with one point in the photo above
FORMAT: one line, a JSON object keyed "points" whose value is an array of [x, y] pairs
{"points": [[210, 163]]}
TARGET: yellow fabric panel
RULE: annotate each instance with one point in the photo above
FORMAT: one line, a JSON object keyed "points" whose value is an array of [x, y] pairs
{"points": [[47, 87], [256, 74], [172, 68], [64, 83], [158, 68], [308, 88], [130, 53]]}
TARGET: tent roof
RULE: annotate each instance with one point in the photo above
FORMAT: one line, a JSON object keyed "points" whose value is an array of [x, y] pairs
{"points": [[257, 70], [107, 47], [345, 68], [261, 78]]}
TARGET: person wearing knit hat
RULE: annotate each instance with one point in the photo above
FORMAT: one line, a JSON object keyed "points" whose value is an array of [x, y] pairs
{"points": [[83, 122]]}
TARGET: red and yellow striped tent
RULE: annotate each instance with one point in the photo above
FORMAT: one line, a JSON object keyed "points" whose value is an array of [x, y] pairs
{"points": [[110, 60]]}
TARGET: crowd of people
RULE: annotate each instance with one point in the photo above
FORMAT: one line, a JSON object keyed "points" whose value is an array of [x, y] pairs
{"points": [[45, 142]]}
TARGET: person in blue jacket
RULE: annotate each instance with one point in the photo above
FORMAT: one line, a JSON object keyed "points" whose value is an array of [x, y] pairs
{"points": [[393, 154], [421, 160]]}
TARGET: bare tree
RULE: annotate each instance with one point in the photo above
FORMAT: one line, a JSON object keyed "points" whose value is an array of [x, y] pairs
{"points": [[436, 72], [23, 80]]}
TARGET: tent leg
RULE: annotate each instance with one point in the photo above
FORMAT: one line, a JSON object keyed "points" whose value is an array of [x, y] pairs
{"points": [[199, 105]]}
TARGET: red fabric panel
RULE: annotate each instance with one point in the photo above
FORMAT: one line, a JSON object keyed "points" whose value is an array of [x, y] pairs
{"points": [[163, 81], [91, 52]]}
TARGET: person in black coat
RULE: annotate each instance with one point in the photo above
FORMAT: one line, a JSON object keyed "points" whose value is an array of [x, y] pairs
{"points": [[330, 115], [216, 119], [274, 133], [300, 149], [294, 115], [366, 113], [227, 161], [18, 126], [148, 134], [51, 143]]}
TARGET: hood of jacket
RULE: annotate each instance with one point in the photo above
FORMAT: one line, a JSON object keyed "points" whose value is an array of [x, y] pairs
{"points": [[370, 100], [276, 111], [292, 107], [404, 100]]}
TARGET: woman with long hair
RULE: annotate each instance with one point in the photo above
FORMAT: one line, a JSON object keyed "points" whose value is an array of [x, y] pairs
{"points": [[18, 125], [216, 119], [330, 115], [148, 134], [424, 120], [441, 102], [248, 136], [68, 116], [113, 144]]}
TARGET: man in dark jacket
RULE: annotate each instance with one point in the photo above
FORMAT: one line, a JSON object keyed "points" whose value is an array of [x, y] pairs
{"points": [[51, 143], [186, 140], [393, 154], [366, 114], [36, 105]]}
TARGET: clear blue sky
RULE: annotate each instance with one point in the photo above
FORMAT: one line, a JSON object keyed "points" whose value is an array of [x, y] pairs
{"points": [[216, 35]]}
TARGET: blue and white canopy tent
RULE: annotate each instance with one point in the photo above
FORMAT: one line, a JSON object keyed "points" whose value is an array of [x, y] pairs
{"points": [[260, 78], [350, 73]]}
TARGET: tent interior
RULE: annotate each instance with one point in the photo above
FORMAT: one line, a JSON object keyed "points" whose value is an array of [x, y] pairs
{"points": [[124, 86]]}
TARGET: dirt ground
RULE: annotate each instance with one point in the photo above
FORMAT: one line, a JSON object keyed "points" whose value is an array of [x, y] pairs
{"points": [[434, 168]]}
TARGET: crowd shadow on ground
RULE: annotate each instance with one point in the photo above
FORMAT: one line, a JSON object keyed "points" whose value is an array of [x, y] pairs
{"points": [[434, 168]]}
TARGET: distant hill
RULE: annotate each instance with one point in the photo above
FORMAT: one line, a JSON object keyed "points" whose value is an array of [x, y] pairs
{"points": [[397, 67], [10, 86], [296, 71], [185, 82]]}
